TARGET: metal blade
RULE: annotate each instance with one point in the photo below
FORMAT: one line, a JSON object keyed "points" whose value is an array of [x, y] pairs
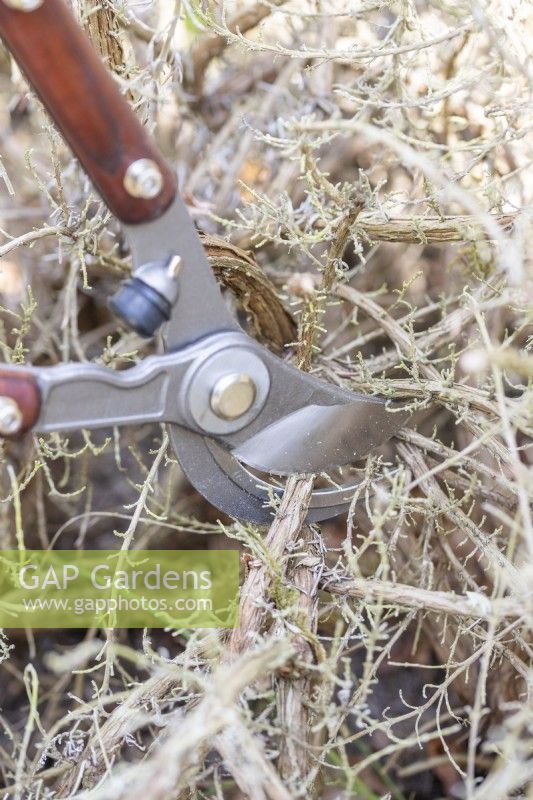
{"points": [[230, 487], [319, 438]]}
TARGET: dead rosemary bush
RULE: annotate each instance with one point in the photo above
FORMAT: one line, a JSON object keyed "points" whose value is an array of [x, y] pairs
{"points": [[374, 158]]}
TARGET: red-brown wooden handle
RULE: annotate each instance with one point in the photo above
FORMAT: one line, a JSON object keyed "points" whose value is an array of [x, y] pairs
{"points": [[86, 104], [22, 388]]}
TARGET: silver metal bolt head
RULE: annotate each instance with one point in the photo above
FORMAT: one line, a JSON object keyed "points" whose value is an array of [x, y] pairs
{"points": [[143, 179], [10, 416], [24, 5], [233, 395]]}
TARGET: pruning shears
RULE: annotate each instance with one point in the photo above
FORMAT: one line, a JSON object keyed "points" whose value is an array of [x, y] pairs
{"points": [[232, 406]]}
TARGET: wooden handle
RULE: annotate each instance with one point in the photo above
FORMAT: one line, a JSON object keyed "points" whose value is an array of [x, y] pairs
{"points": [[22, 388], [86, 105]]}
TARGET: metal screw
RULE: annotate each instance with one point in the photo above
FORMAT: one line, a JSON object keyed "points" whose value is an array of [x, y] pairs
{"points": [[24, 5], [143, 179], [233, 395], [10, 416], [174, 266]]}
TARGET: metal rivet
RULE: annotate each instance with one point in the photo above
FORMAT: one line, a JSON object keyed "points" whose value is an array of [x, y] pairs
{"points": [[233, 395], [143, 178], [24, 5], [10, 416]]}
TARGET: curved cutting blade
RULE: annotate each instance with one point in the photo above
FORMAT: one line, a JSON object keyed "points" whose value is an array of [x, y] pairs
{"points": [[229, 486], [320, 438], [306, 424]]}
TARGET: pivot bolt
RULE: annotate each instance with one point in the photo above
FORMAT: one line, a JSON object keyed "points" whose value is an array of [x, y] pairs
{"points": [[143, 178], [10, 416], [226, 387], [24, 5], [233, 395]]}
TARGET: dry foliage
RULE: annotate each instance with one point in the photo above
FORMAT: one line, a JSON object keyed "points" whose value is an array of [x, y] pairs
{"points": [[374, 159]]}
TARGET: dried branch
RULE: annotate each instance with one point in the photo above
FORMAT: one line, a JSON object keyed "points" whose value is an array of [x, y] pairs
{"points": [[473, 605], [212, 45]]}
